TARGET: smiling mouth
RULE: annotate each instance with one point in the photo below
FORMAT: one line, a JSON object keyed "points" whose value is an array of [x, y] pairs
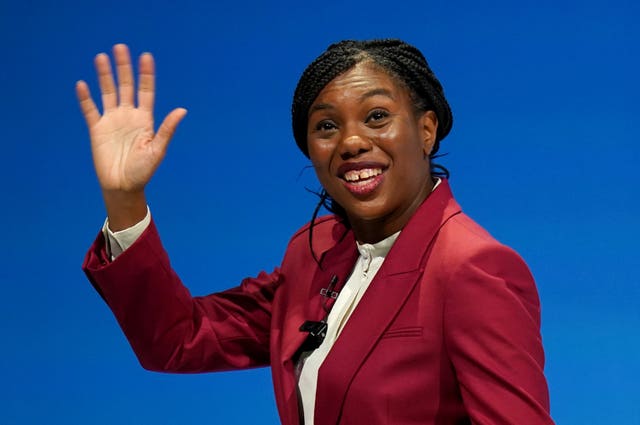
{"points": [[363, 182], [358, 176]]}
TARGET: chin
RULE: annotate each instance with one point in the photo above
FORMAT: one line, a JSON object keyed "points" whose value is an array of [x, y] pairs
{"points": [[367, 213]]}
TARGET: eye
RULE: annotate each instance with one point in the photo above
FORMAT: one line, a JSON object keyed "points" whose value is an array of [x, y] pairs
{"points": [[325, 125], [376, 116]]}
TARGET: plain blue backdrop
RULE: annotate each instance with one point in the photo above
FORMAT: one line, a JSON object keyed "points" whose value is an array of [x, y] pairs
{"points": [[543, 153]]}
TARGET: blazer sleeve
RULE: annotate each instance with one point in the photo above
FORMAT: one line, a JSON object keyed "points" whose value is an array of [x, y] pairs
{"points": [[168, 329], [492, 335]]}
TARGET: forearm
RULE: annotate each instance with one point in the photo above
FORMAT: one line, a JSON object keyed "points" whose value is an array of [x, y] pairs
{"points": [[170, 330]]}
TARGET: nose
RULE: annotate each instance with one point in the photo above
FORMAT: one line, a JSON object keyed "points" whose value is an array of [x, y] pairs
{"points": [[353, 143]]}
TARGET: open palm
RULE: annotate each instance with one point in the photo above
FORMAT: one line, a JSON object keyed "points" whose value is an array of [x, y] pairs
{"points": [[126, 150]]}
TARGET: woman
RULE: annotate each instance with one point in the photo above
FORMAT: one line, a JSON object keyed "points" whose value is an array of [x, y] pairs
{"points": [[396, 309]]}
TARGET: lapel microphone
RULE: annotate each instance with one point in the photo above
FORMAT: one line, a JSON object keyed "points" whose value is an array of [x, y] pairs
{"points": [[318, 329], [328, 292]]}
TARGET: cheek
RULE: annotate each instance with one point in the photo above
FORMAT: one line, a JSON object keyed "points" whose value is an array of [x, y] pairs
{"points": [[406, 150], [401, 143], [321, 162], [320, 153]]}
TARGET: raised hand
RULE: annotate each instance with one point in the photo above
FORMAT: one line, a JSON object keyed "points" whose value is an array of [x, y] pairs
{"points": [[126, 150]]}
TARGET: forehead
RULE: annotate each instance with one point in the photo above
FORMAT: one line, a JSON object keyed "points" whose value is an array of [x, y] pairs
{"points": [[362, 78]]}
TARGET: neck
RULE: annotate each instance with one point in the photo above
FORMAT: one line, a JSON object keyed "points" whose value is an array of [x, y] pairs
{"points": [[376, 229]]}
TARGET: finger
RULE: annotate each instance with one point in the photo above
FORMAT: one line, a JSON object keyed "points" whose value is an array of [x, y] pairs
{"points": [[88, 107], [146, 85], [105, 79], [168, 127], [124, 70]]}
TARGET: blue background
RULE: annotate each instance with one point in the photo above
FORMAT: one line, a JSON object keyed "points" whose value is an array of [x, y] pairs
{"points": [[543, 153]]}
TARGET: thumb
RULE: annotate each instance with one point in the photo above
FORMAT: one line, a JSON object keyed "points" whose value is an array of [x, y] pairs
{"points": [[168, 127]]}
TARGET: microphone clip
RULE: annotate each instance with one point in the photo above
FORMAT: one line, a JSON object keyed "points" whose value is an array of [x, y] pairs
{"points": [[315, 329], [317, 332], [328, 292]]}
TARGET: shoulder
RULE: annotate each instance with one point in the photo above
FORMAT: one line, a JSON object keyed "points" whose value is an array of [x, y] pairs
{"points": [[465, 235], [463, 243], [320, 224], [325, 231]]}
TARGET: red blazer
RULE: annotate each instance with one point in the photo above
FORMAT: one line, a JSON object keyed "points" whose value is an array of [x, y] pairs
{"points": [[447, 333]]}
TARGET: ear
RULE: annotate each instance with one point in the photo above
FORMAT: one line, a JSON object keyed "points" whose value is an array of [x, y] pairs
{"points": [[429, 125]]}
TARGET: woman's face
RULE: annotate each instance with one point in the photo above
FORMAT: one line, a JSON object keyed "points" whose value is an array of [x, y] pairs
{"points": [[371, 150]]}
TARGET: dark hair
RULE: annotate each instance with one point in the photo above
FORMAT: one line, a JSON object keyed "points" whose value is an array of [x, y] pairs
{"points": [[401, 61]]}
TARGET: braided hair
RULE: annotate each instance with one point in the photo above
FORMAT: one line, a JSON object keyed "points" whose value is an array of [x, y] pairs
{"points": [[402, 62]]}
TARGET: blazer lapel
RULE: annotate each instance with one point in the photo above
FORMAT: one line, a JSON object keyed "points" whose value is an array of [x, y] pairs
{"points": [[336, 261], [337, 257], [383, 300]]}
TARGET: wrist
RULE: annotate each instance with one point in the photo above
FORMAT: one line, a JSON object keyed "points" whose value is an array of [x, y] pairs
{"points": [[124, 209]]}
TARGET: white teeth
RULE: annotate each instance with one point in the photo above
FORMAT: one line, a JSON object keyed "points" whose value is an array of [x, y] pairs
{"points": [[356, 175]]}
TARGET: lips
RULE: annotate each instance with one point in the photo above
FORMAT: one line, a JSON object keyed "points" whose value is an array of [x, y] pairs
{"points": [[361, 179]]}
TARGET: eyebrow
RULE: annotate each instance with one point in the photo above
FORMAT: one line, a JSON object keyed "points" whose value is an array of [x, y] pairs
{"points": [[320, 107], [370, 93]]}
